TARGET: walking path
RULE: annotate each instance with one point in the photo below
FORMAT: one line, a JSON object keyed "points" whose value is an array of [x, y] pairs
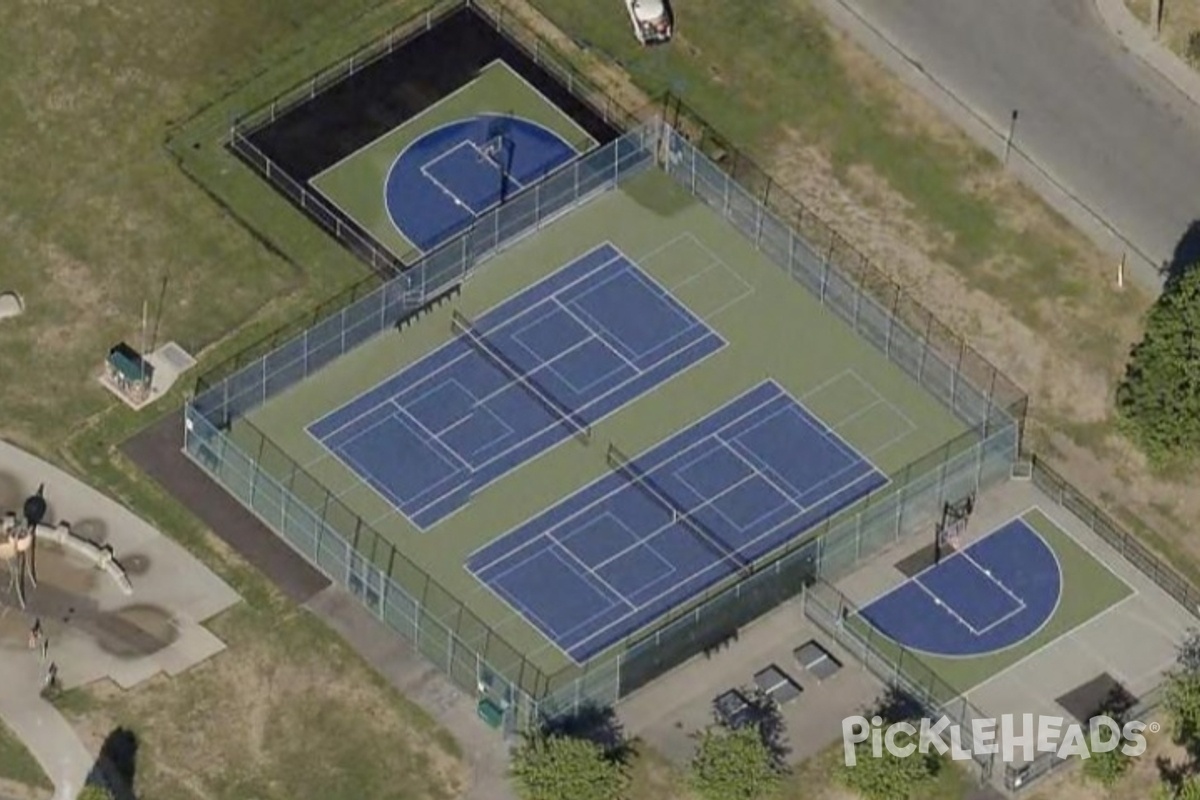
{"points": [[1139, 40], [49, 737]]}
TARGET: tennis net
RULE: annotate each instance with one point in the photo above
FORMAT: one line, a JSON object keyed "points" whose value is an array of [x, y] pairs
{"points": [[624, 466], [466, 329]]}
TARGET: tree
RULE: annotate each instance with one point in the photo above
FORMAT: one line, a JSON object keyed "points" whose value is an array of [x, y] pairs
{"points": [[890, 777], [734, 765], [1159, 398], [556, 767], [1181, 695], [94, 792]]}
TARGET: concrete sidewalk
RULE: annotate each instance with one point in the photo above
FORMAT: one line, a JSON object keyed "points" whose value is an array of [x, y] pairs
{"points": [[49, 737], [1138, 39]]}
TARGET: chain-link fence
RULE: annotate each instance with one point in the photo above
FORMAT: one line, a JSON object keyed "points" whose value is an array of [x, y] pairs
{"points": [[893, 665], [346, 548], [318, 525], [382, 260]]}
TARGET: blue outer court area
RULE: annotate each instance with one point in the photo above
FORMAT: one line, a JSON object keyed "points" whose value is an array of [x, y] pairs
{"points": [[591, 337], [440, 183], [693, 510], [993, 594]]}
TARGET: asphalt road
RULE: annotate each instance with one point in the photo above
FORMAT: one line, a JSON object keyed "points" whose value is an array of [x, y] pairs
{"points": [[1115, 133]]}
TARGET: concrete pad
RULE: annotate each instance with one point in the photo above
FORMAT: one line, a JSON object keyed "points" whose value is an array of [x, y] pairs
{"points": [[667, 711], [92, 629]]}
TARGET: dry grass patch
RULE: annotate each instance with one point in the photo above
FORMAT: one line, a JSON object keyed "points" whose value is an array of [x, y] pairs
{"points": [[286, 714]]}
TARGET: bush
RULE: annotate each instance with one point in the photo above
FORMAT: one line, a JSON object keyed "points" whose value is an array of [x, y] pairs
{"points": [[555, 767], [93, 792], [1107, 766], [734, 765]]}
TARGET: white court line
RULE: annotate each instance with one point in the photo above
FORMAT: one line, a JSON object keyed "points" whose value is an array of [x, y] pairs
{"points": [[567, 117], [606, 476], [676, 307], [1061, 637], [734, 525], [432, 437], [430, 109], [1020, 603], [399, 156], [1057, 602], [694, 575], [993, 578], [789, 497], [596, 334], [467, 353], [492, 583], [939, 603]]}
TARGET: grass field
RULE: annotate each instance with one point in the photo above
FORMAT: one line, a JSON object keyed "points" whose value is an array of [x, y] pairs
{"points": [[91, 89], [1088, 589], [17, 764], [771, 324]]}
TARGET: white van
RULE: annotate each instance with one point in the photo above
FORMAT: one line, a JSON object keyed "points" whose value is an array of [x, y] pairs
{"points": [[652, 22]]}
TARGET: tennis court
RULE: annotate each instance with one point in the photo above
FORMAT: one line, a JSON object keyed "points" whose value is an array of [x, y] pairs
{"points": [[636, 319], [663, 527], [527, 375]]}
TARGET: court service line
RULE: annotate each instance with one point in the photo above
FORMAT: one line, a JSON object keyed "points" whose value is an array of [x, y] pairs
{"points": [[693, 576], [679, 308], [595, 334], [942, 604], [790, 497], [993, 578], [609, 475], [677, 474], [1018, 610], [500, 592]]}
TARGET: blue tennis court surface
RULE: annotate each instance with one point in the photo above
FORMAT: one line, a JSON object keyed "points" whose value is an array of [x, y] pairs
{"points": [[659, 530], [448, 177], [990, 595], [558, 356]]}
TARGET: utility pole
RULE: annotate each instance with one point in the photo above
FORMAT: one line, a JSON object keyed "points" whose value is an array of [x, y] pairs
{"points": [[1012, 129], [1156, 17]]}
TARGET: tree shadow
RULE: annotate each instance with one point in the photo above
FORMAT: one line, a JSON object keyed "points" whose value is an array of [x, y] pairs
{"points": [[598, 725], [1184, 259], [1173, 774], [896, 705], [771, 728], [116, 766]]}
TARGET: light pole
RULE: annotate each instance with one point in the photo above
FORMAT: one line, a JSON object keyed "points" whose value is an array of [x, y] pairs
{"points": [[1012, 129]]}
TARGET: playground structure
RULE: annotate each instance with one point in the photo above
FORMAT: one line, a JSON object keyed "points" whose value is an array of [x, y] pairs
{"points": [[18, 547]]}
